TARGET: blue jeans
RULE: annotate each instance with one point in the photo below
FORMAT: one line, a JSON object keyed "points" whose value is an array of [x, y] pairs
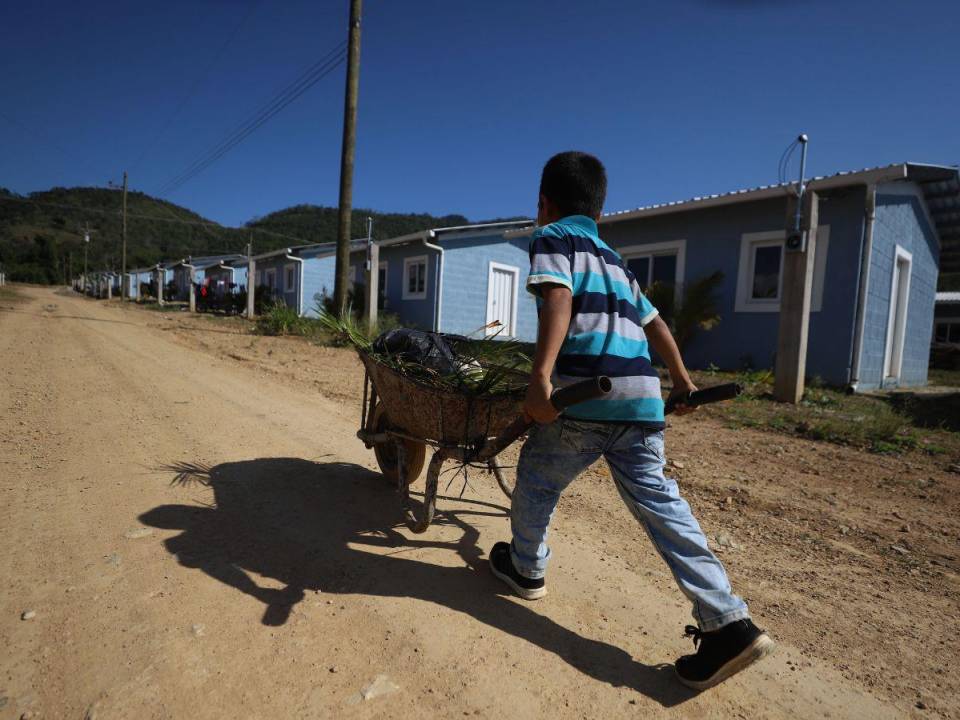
{"points": [[555, 454]]}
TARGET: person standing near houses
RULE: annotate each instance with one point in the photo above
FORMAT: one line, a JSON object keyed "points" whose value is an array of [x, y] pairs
{"points": [[594, 320]]}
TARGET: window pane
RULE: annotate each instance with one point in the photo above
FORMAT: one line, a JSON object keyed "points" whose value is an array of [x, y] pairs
{"points": [[940, 334], [640, 267], [954, 335], [664, 269], [766, 272], [412, 278], [421, 277]]}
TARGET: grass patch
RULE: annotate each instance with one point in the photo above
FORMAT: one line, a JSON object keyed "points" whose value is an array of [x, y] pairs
{"points": [[828, 415], [280, 319]]}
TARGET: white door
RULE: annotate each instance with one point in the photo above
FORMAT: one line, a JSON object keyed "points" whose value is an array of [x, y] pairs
{"points": [[502, 299], [897, 321]]}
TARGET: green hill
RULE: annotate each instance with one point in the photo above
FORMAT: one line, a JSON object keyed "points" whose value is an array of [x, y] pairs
{"points": [[314, 224], [41, 236]]}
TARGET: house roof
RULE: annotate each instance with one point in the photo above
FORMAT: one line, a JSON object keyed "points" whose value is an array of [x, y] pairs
{"points": [[203, 261], [507, 226], [940, 185], [211, 261], [948, 298], [325, 248]]}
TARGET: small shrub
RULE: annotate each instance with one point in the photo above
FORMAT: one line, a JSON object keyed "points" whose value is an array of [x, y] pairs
{"points": [[280, 319]]}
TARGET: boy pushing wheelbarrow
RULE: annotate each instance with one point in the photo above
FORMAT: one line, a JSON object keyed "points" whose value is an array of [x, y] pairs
{"points": [[594, 321]]}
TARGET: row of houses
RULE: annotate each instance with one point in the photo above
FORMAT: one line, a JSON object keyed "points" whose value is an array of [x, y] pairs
{"points": [[882, 236]]}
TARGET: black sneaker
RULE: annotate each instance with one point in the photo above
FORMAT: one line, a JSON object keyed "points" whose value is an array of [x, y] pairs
{"points": [[501, 565], [722, 653]]}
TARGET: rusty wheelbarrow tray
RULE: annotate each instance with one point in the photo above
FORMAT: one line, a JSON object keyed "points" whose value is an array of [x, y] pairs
{"points": [[402, 415]]}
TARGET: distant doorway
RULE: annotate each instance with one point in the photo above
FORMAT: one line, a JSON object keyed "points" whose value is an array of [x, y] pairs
{"points": [[502, 284]]}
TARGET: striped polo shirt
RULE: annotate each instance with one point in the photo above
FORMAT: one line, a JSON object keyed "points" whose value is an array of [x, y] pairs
{"points": [[606, 330]]}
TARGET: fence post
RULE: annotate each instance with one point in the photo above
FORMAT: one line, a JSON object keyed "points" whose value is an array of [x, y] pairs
{"points": [[251, 287], [373, 282], [795, 296]]}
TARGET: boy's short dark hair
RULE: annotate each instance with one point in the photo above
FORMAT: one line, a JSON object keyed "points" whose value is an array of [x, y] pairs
{"points": [[576, 182]]}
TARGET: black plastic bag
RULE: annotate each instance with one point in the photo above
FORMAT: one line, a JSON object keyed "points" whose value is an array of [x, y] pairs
{"points": [[429, 349]]}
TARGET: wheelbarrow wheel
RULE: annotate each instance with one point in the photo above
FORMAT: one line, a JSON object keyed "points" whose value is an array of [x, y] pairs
{"points": [[386, 452]]}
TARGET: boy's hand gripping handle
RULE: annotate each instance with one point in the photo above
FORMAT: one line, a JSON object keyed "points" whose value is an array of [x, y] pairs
{"points": [[563, 398], [696, 398]]}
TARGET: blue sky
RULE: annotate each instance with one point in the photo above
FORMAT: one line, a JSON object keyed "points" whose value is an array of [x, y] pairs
{"points": [[461, 103]]}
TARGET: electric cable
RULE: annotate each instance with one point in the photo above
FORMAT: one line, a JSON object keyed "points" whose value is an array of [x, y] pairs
{"points": [[281, 100], [199, 80]]}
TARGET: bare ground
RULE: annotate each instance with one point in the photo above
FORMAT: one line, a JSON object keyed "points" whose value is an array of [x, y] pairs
{"points": [[188, 513]]}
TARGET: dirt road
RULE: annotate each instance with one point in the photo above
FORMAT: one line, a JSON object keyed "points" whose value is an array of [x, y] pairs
{"points": [[200, 538]]}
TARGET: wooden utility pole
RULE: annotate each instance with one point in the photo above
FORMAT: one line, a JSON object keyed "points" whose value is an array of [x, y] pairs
{"points": [[795, 297], [341, 279], [123, 263]]}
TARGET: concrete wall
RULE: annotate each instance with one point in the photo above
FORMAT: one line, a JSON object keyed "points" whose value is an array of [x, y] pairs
{"points": [[466, 277], [713, 239], [281, 289], [902, 220], [417, 313]]}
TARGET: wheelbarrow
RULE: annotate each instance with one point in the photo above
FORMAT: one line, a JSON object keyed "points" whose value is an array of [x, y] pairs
{"points": [[401, 416]]}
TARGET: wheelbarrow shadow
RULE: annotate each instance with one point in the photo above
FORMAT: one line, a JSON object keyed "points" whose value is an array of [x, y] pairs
{"points": [[304, 524]]}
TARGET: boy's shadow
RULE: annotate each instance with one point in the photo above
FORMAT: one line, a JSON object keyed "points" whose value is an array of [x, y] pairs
{"points": [[304, 524]]}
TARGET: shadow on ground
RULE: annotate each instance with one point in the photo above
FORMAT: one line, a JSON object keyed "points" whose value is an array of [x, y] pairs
{"points": [[934, 410], [306, 525]]}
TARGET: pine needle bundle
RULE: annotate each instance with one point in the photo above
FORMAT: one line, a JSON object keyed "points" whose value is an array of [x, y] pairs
{"points": [[486, 366]]}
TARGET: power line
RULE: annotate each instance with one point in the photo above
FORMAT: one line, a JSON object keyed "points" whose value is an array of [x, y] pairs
{"points": [[199, 80], [287, 96], [298, 87]]}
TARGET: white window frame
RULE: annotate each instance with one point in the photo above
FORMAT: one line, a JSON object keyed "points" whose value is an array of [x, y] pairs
{"points": [[511, 330], [745, 302], [897, 336], [407, 262], [652, 250], [288, 271]]}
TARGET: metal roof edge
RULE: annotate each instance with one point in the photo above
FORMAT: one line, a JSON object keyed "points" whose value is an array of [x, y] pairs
{"points": [[896, 171]]}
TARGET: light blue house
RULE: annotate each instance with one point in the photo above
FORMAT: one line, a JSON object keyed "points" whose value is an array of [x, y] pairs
{"points": [[136, 279], [223, 275], [461, 279], [881, 233], [302, 276], [193, 268]]}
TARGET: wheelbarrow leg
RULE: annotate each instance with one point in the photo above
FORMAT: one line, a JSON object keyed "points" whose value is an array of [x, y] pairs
{"points": [[497, 471], [420, 522]]}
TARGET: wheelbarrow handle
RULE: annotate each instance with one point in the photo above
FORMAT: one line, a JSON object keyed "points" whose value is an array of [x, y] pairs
{"points": [[581, 392], [562, 398], [717, 393]]}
